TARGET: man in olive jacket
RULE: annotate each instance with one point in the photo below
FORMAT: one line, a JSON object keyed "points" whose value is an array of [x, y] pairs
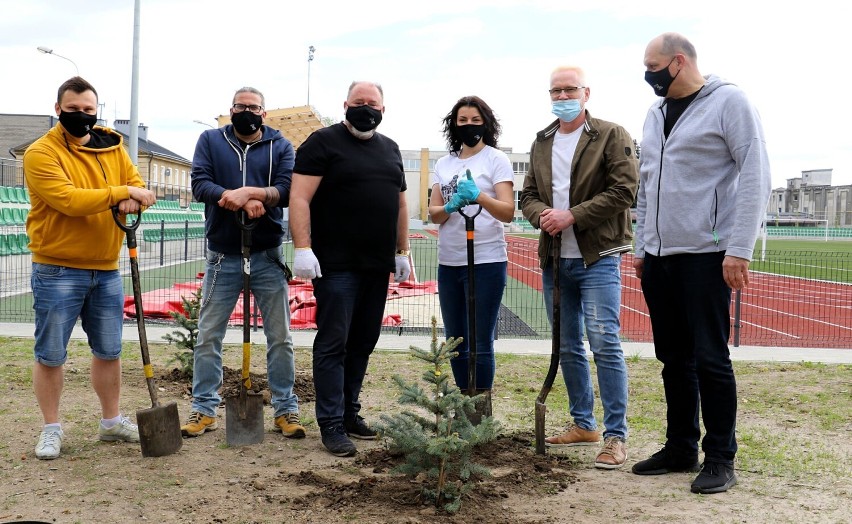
{"points": [[581, 182]]}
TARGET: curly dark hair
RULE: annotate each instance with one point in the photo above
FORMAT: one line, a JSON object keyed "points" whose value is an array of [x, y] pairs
{"points": [[492, 126]]}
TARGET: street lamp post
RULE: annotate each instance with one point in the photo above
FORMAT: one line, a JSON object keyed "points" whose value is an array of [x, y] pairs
{"points": [[203, 123], [133, 146], [49, 51], [311, 50]]}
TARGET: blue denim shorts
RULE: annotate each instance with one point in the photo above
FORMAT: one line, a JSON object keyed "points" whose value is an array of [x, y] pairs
{"points": [[63, 294]]}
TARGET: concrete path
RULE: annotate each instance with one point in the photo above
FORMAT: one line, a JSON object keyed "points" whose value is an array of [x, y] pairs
{"points": [[517, 346]]}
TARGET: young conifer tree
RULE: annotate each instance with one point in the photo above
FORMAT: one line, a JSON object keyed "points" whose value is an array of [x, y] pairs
{"points": [[438, 439], [188, 320]]}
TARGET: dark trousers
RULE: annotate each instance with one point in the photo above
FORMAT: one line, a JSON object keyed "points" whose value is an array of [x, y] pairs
{"points": [[689, 304], [489, 283], [350, 308]]}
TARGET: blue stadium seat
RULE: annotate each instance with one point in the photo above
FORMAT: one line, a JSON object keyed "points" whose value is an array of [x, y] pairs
{"points": [[5, 246], [19, 216], [23, 243], [7, 216]]}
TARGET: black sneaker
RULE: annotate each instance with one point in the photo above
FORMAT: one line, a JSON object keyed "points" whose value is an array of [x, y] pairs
{"points": [[715, 477], [336, 442], [665, 461], [357, 428]]}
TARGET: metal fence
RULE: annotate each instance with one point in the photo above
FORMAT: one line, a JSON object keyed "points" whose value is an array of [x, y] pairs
{"points": [[796, 299]]}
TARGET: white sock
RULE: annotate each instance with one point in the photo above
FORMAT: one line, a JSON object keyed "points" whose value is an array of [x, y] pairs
{"points": [[110, 422], [56, 426]]}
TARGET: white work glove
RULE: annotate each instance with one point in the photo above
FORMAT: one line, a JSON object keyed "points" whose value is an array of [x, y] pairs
{"points": [[305, 264], [403, 269]]}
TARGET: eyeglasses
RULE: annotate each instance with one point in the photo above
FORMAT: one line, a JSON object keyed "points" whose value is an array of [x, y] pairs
{"points": [[256, 109], [570, 90]]}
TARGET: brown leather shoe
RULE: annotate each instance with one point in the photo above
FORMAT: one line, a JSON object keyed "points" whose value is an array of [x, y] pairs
{"points": [[612, 455], [574, 436]]}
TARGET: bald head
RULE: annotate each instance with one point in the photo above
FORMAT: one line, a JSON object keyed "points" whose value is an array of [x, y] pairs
{"points": [[670, 44], [674, 53]]}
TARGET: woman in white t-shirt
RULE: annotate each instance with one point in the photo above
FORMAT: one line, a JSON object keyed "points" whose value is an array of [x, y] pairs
{"points": [[473, 174]]}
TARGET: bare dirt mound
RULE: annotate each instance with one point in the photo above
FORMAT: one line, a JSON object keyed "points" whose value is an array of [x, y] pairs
{"points": [[179, 383], [515, 469]]}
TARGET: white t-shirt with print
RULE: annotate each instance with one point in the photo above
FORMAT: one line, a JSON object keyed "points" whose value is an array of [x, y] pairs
{"points": [[488, 167]]}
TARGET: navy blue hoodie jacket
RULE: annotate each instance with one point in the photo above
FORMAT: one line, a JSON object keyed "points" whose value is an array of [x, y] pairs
{"points": [[221, 163]]}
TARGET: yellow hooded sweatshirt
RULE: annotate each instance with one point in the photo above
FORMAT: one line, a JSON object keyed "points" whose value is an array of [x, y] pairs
{"points": [[72, 190]]}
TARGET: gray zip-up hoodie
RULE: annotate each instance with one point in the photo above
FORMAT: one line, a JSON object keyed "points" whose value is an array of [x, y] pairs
{"points": [[704, 188]]}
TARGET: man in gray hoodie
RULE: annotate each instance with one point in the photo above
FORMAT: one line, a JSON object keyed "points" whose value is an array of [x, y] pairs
{"points": [[704, 186]]}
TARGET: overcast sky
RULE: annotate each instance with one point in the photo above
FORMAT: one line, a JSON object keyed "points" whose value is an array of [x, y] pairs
{"points": [[194, 54]]}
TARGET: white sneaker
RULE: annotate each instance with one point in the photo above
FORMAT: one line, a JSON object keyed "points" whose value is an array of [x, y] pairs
{"points": [[124, 430], [49, 444]]}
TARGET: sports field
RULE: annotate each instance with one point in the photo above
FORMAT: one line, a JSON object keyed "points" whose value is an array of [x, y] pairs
{"points": [[800, 293]]}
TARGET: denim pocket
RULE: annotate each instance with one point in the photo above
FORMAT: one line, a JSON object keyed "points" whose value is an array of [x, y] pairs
{"points": [[47, 270]]}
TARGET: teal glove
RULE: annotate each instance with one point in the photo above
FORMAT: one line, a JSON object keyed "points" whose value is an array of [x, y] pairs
{"points": [[467, 188], [455, 203]]}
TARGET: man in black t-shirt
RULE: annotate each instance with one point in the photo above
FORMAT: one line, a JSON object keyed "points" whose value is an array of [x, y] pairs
{"points": [[349, 222]]}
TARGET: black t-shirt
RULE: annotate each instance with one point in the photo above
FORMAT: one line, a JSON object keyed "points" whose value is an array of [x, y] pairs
{"points": [[355, 209], [676, 107]]}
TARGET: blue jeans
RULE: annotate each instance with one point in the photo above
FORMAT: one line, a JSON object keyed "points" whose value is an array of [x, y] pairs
{"points": [[689, 303], [592, 294], [489, 282], [222, 286], [61, 295], [350, 308]]}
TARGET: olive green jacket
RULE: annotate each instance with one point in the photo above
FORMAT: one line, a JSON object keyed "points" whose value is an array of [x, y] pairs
{"points": [[604, 180]]}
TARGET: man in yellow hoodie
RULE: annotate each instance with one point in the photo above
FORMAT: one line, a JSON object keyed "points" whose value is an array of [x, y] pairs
{"points": [[76, 173]]}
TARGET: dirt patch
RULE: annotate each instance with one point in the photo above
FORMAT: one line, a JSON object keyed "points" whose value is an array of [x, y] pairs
{"points": [[179, 383], [788, 471], [515, 469]]}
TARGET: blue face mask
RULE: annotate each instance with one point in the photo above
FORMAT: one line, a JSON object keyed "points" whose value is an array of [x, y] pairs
{"points": [[566, 110]]}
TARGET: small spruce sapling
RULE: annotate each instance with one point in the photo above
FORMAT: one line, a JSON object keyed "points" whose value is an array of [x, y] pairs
{"points": [[188, 320], [438, 440]]}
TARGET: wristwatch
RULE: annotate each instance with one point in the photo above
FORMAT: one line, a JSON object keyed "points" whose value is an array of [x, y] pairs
{"points": [[403, 252]]}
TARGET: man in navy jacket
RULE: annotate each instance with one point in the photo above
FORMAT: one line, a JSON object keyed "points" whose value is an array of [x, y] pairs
{"points": [[248, 167]]}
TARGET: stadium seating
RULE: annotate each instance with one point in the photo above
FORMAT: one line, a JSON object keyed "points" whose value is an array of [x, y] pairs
{"points": [[14, 244], [172, 233]]}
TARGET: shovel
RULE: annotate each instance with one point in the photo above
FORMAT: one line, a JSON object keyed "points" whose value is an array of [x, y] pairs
{"points": [[159, 426], [556, 323], [244, 413], [483, 408]]}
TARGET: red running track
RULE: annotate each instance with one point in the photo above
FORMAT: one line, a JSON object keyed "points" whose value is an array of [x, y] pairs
{"points": [[775, 310]]}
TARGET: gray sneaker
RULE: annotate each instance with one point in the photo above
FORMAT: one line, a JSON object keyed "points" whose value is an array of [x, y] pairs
{"points": [[125, 431], [49, 444]]}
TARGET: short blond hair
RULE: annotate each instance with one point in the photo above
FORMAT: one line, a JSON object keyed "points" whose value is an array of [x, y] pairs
{"points": [[579, 70]]}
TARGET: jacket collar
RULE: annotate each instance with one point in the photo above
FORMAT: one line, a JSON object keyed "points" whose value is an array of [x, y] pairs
{"points": [[588, 128]]}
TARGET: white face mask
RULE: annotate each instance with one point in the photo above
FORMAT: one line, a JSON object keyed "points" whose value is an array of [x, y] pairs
{"points": [[566, 110]]}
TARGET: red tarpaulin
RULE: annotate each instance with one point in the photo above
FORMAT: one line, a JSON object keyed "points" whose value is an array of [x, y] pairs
{"points": [[158, 303]]}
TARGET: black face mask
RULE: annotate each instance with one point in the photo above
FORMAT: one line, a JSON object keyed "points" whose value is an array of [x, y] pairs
{"points": [[363, 118], [246, 123], [470, 134], [77, 123], [661, 80]]}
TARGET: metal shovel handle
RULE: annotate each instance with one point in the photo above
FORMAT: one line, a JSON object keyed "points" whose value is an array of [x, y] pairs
{"points": [[471, 301], [556, 324], [130, 231]]}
